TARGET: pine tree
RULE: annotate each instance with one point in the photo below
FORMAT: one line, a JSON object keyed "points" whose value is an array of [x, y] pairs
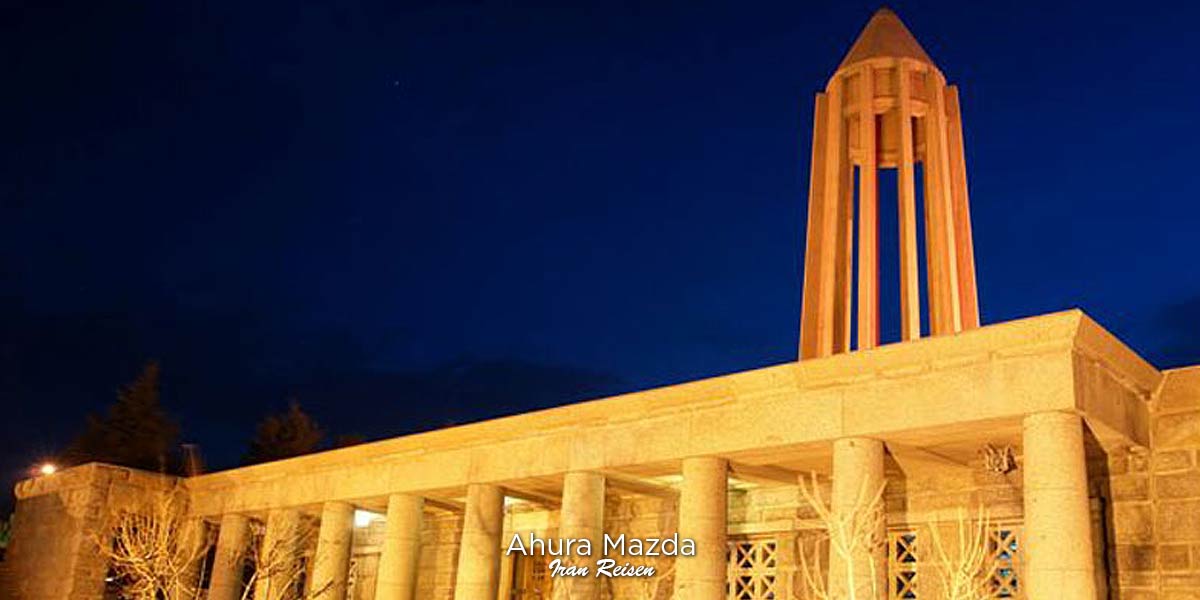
{"points": [[284, 435], [135, 432]]}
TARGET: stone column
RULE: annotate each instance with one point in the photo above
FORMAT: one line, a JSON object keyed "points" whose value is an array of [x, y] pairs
{"points": [[279, 552], [868, 216], [857, 478], [582, 517], [331, 564], [702, 517], [479, 556], [195, 532], [397, 579], [910, 286], [1058, 535], [232, 540]]}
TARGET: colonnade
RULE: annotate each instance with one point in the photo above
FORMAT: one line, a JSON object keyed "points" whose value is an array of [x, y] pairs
{"points": [[1058, 554]]}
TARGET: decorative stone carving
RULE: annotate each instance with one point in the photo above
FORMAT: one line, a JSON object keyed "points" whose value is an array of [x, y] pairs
{"points": [[1000, 460]]}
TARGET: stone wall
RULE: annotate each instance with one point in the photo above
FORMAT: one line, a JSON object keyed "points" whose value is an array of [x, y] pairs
{"points": [[53, 551], [439, 555], [1155, 508], [641, 517]]}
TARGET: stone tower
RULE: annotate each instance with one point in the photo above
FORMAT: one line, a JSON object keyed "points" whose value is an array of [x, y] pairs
{"points": [[886, 107]]}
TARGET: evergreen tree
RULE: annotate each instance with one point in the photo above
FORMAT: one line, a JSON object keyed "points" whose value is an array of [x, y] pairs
{"points": [[135, 432], [284, 435]]}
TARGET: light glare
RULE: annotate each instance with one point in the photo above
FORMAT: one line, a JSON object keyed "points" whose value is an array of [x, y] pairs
{"points": [[363, 518]]}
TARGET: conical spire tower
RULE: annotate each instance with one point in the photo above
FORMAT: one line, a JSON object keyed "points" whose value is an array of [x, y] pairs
{"points": [[886, 107]]}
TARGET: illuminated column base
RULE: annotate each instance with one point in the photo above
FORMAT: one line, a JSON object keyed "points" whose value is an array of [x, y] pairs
{"points": [[857, 478], [232, 541], [277, 553], [702, 517], [331, 565], [1058, 532], [479, 555], [401, 549], [582, 517]]}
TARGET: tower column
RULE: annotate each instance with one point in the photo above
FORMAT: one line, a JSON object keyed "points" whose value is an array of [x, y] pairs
{"points": [[479, 555], [843, 303], [1058, 533], [811, 312], [910, 287], [965, 257], [232, 541], [857, 478], [582, 517], [331, 565], [945, 312], [868, 218], [826, 317], [401, 553], [702, 517]]}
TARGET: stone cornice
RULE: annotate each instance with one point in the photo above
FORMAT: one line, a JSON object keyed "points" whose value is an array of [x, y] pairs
{"points": [[87, 476]]}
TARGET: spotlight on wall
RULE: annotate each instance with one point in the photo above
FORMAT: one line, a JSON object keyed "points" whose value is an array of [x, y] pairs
{"points": [[363, 518], [47, 469]]}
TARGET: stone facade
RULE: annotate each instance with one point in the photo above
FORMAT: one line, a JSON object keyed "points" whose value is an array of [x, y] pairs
{"points": [[1084, 457], [57, 523], [1154, 495]]}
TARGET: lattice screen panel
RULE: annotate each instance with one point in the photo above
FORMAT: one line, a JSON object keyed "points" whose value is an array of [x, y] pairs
{"points": [[902, 565], [753, 570], [531, 578], [1004, 557], [1004, 552]]}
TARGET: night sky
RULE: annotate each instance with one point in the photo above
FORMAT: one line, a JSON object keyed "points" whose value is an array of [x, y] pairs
{"points": [[406, 215]]}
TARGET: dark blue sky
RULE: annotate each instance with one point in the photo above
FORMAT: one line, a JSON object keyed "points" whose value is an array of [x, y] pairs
{"points": [[411, 214]]}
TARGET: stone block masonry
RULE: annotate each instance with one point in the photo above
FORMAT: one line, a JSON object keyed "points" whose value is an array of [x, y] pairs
{"points": [[1154, 538]]}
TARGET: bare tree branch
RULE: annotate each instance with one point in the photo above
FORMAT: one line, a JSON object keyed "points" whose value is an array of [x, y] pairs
{"points": [[964, 571], [154, 548], [851, 533], [279, 569]]}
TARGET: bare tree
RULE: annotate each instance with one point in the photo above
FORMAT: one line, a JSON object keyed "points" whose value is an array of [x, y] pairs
{"points": [[280, 570], [155, 550], [964, 568], [850, 533]]}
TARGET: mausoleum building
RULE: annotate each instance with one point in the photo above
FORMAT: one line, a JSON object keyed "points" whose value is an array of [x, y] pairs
{"points": [[1082, 455]]}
